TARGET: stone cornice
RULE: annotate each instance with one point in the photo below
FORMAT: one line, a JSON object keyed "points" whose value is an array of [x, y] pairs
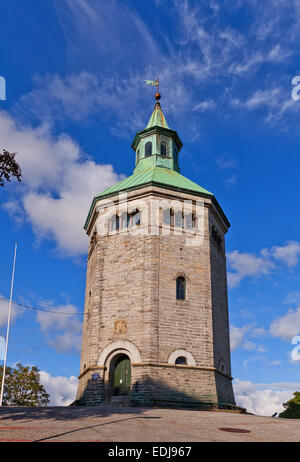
{"points": [[158, 189], [155, 364], [181, 366]]}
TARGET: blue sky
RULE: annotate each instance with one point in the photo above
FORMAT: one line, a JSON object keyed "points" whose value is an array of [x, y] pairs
{"points": [[75, 72]]}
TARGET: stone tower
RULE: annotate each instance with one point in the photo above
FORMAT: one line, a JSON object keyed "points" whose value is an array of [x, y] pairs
{"points": [[156, 327]]}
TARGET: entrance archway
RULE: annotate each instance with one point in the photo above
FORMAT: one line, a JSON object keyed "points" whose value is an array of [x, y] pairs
{"points": [[121, 375]]}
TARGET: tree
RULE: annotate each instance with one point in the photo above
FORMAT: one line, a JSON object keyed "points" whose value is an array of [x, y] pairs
{"points": [[22, 387], [9, 167], [292, 408]]}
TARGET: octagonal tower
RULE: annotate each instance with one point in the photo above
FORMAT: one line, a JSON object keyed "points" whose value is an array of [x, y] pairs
{"points": [[156, 328]]}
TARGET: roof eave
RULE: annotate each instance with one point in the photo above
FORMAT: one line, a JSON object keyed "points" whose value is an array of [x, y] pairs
{"points": [[158, 129], [161, 185]]}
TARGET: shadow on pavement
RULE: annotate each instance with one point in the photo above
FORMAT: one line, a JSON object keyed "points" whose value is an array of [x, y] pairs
{"points": [[64, 413], [92, 427]]}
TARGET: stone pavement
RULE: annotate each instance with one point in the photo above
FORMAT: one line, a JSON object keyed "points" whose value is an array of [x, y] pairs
{"points": [[116, 424]]}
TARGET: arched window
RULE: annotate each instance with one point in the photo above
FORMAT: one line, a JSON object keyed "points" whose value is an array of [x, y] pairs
{"points": [[148, 149], [181, 360], [130, 219], [137, 156], [166, 217], [222, 366], [178, 219], [190, 221], [114, 223], [180, 288], [124, 221], [163, 148], [136, 218]]}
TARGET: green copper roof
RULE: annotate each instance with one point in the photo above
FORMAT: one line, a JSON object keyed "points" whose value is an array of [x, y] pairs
{"points": [[157, 119], [156, 169], [158, 176], [163, 176]]}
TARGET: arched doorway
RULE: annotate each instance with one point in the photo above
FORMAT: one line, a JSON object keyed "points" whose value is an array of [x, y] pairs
{"points": [[121, 375]]}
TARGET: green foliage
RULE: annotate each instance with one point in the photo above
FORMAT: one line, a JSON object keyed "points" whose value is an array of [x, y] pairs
{"points": [[292, 408], [9, 167], [22, 387]]}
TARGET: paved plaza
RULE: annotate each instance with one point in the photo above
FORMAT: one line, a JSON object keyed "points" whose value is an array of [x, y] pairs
{"points": [[115, 424]]}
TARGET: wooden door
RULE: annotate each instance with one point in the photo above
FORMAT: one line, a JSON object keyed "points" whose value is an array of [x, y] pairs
{"points": [[122, 376]]}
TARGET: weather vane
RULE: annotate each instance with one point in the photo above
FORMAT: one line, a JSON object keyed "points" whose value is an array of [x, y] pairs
{"points": [[155, 83]]}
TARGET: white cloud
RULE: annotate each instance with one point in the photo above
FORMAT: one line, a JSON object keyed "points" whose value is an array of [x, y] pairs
{"points": [[105, 31], [263, 399], [206, 105], [62, 390], [237, 335], [288, 254], [4, 306], [292, 297], [66, 342], [275, 54], [250, 265], [259, 332], [276, 102], [239, 338], [79, 96], [59, 182], [225, 162], [75, 96], [267, 97], [203, 50], [62, 330], [246, 265], [287, 326], [276, 362]]}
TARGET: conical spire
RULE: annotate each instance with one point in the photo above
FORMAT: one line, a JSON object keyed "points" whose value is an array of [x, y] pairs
{"points": [[156, 145], [157, 118]]}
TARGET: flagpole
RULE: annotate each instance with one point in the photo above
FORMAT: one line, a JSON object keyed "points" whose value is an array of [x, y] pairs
{"points": [[8, 324]]}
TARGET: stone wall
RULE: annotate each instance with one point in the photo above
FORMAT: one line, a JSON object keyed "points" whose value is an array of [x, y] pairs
{"points": [[131, 297]]}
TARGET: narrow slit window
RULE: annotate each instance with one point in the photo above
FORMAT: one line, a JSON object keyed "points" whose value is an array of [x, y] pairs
{"points": [[180, 288]]}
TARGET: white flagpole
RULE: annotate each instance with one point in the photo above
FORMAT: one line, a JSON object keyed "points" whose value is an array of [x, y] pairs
{"points": [[8, 324]]}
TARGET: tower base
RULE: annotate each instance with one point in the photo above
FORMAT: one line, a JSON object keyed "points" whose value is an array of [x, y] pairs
{"points": [[160, 385]]}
